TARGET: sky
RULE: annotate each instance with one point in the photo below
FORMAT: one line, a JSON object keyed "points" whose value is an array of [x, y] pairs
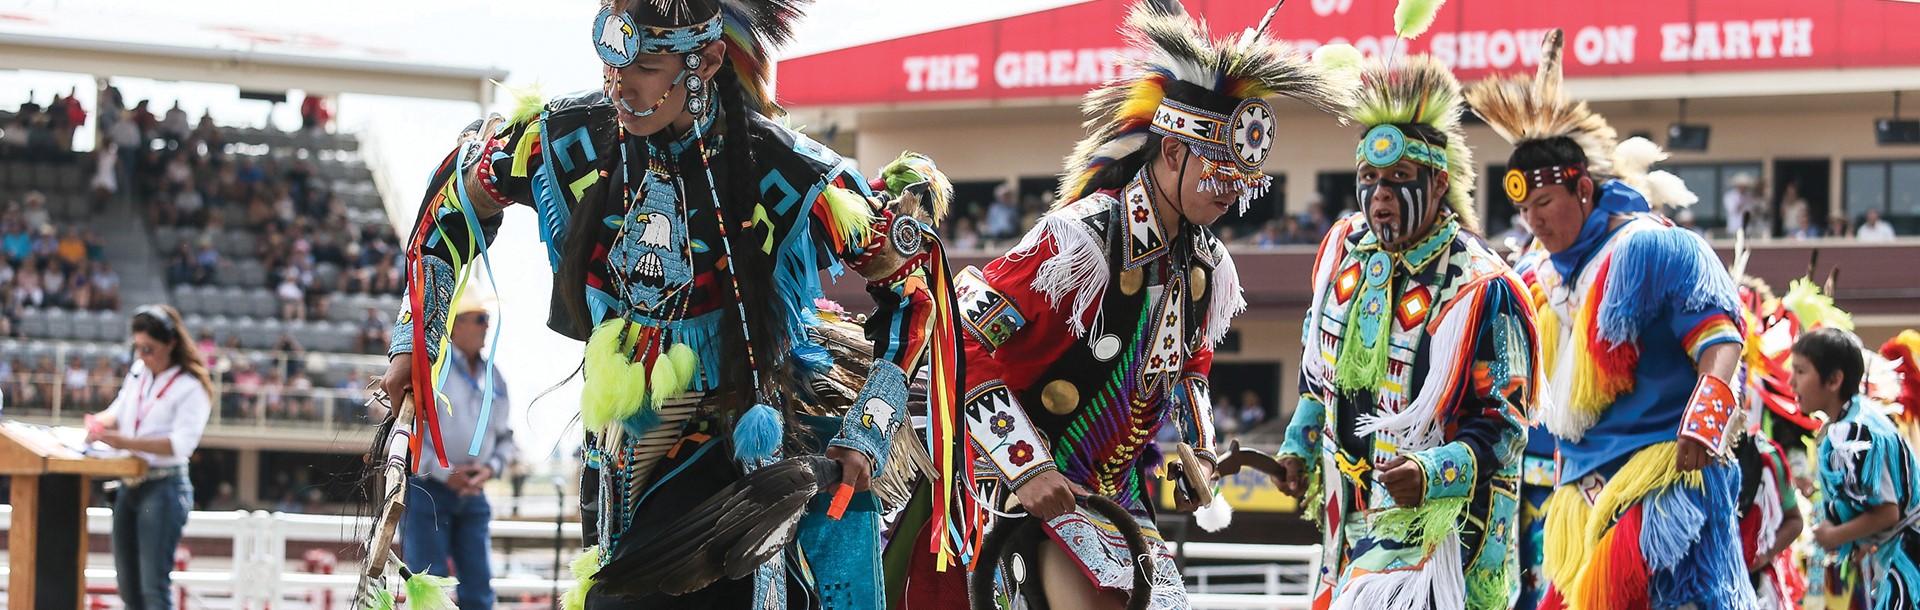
{"points": [[539, 42]]}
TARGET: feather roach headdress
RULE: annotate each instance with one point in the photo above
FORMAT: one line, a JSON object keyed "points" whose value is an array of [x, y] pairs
{"points": [[752, 28], [1411, 109], [1536, 112], [1209, 94]]}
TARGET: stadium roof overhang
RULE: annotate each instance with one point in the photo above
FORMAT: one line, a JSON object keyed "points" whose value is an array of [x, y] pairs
{"points": [[252, 60]]}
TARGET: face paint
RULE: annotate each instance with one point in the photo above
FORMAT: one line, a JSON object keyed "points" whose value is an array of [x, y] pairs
{"points": [[1411, 198]]}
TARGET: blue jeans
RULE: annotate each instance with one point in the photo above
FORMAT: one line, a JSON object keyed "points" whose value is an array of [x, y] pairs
{"points": [[442, 525], [147, 520]]}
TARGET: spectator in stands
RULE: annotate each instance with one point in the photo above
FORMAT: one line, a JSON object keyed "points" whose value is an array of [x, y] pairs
{"points": [[16, 239], [1837, 225], [294, 353], [78, 293], [106, 174], [1003, 215], [180, 266], [143, 117], [36, 214], [1742, 206], [271, 397], [1251, 412], [106, 286], [1802, 225], [244, 400], [27, 291], [95, 244], [68, 116], [103, 377], [314, 114], [190, 204], [1225, 418], [47, 243], [372, 337], [387, 278], [7, 387], [71, 248], [1270, 235], [175, 126], [299, 397], [75, 384], [206, 262], [965, 235], [293, 299], [1316, 223], [1873, 228], [448, 512]]}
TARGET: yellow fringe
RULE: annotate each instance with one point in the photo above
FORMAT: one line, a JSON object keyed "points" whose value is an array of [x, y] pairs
{"points": [[1566, 544], [1548, 324], [1574, 528], [852, 216], [1592, 391]]}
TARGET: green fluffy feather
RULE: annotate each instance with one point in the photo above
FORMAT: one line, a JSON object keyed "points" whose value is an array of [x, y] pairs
{"points": [[684, 361], [1412, 17], [913, 168], [615, 387], [1339, 58], [429, 592], [528, 102], [584, 567], [382, 600], [1426, 525], [852, 216], [1814, 308]]}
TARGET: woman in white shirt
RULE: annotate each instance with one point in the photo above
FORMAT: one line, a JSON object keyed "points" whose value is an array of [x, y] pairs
{"points": [[159, 416]]}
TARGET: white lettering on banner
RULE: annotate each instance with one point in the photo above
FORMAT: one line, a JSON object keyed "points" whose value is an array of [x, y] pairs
{"points": [[1503, 49], [942, 72], [1719, 41], [1329, 7], [1609, 45], [1056, 67]]}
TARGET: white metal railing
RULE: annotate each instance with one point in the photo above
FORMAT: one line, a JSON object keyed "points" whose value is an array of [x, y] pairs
{"points": [[258, 576]]}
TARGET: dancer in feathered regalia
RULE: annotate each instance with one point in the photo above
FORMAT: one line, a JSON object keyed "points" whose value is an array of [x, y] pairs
{"points": [[1640, 336], [687, 229], [1417, 379], [1099, 326]]}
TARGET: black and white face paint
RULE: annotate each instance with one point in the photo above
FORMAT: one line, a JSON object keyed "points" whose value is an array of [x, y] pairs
{"points": [[1413, 202]]}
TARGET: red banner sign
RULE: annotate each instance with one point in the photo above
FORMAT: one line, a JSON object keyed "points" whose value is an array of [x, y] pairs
{"points": [[1068, 50]]}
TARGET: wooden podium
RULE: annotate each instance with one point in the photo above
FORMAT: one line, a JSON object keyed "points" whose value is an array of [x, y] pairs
{"points": [[47, 542]]}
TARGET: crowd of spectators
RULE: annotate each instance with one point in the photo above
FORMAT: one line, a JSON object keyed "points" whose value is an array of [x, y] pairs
{"points": [[190, 179], [43, 133], [78, 383], [44, 264]]}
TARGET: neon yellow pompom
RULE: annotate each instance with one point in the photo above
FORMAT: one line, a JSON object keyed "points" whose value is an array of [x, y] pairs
{"points": [[684, 361], [584, 568], [615, 388], [1412, 17], [665, 382]]}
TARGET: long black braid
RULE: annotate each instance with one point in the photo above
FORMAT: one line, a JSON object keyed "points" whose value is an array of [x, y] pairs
{"points": [[738, 173]]}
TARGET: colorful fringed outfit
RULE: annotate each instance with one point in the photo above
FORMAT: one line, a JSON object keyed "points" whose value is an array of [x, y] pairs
{"points": [[1864, 461], [1099, 327], [1450, 388], [1626, 308], [1766, 498], [1080, 343], [1418, 350], [645, 235], [1645, 300]]}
